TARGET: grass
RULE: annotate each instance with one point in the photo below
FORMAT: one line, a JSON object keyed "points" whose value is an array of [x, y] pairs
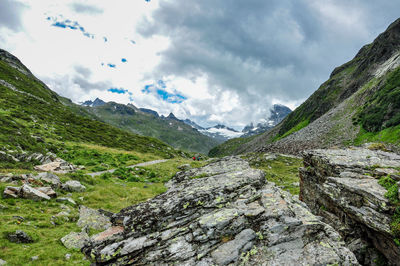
{"points": [[388, 135], [392, 195], [383, 108], [283, 170], [109, 193]]}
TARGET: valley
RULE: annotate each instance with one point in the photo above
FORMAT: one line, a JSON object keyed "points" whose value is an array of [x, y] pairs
{"points": [[104, 183]]}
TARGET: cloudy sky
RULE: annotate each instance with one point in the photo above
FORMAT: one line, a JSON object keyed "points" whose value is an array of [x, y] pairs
{"points": [[213, 61]]}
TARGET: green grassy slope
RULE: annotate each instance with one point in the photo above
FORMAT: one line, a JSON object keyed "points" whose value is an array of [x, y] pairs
{"points": [[34, 118]]}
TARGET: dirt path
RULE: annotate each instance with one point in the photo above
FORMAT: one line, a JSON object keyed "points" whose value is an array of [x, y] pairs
{"points": [[131, 166]]}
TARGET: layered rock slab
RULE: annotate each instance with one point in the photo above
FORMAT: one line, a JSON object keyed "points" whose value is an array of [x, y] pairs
{"points": [[220, 214], [342, 186]]}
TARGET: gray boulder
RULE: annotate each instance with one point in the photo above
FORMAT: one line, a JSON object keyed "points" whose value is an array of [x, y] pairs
{"points": [[28, 192], [48, 191], [75, 240], [184, 167], [223, 213], [49, 178], [73, 186], [11, 192], [92, 219], [2, 262], [342, 186]]}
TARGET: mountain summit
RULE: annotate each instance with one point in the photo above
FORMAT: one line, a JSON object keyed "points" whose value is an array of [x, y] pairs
{"points": [[277, 113], [96, 102]]}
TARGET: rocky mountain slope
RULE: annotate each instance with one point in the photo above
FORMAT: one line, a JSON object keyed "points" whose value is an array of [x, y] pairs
{"points": [[220, 214], [147, 122], [359, 103], [34, 118], [277, 113]]}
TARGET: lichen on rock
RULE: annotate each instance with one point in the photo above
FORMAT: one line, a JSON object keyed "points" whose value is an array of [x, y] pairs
{"points": [[241, 219]]}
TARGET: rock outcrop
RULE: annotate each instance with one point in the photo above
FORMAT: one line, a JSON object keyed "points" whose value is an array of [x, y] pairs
{"points": [[342, 186], [223, 213]]}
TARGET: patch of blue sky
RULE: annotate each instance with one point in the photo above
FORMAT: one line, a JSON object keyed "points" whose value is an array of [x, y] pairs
{"points": [[105, 39], [124, 60], [170, 97], [68, 24], [159, 89], [111, 65], [133, 42], [147, 88], [119, 91], [161, 83]]}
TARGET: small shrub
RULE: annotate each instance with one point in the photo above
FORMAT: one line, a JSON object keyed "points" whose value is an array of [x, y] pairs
{"points": [[106, 176]]}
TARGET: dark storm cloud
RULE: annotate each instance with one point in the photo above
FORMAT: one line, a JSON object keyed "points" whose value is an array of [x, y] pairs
{"points": [[265, 50], [10, 14], [86, 85], [84, 71], [83, 8]]}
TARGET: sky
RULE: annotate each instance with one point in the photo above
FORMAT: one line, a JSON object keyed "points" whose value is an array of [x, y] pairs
{"points": [[212, 61]]}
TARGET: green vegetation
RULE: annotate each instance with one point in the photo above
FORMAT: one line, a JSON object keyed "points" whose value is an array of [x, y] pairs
{"points": [[42, 221], [282, 170], [382, 109], [388, 135], [391, 187], [35, 119], [393, 195], [229, 147]]}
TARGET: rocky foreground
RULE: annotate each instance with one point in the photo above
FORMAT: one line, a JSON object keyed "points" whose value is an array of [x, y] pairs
{"points": [[342, 186], [223, 213]]}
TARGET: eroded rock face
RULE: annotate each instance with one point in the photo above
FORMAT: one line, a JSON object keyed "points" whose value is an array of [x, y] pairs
{"points": [[223, 213], [342, 186]]}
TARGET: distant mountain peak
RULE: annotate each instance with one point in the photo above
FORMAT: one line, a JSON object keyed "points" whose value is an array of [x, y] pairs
{"points": [[172, 116], [277, 113], [96, 102]]}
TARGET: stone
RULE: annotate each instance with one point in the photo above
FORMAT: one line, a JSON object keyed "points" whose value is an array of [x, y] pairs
{"points": [[11, 192], [28, 192], [48, 191], [75, 240], [229, 215], [58, 165], [2, 262], [67, 256], [339, 185], [66, 199], [270, 157], [34, 258], [184, 167], [93, 219], [19, 236], [230, 251], [73, 186], [49, 178]]}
